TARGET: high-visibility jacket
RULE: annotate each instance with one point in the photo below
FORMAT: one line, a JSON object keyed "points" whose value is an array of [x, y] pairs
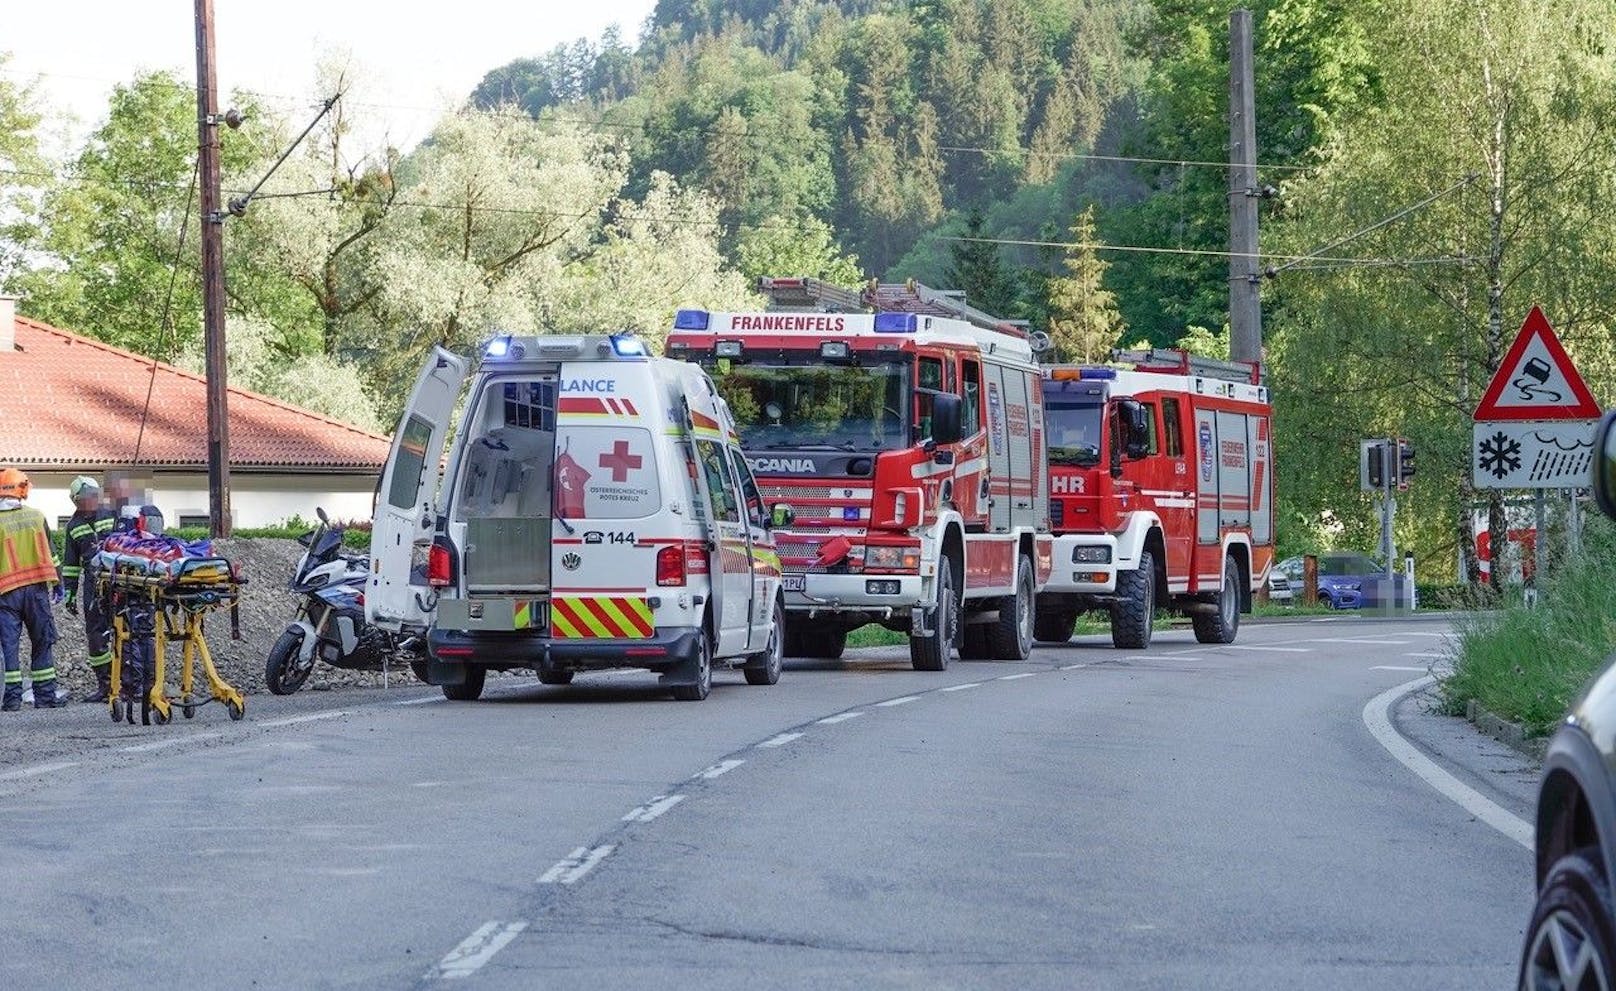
{"points": [[26, 557], [85, 530]]}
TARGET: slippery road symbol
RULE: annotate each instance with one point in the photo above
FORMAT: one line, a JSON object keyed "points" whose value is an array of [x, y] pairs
{"points": [[1500, 454]]}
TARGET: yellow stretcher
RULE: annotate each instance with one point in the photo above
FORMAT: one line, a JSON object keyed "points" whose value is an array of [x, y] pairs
{"points": [[173, 600]]}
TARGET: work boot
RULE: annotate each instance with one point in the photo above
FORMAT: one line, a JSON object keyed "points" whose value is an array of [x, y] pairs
{"points": [[12, 703], [47, 697], [103, 684]]}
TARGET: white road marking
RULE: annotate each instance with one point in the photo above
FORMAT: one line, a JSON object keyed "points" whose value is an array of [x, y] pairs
{"points": [[961, 688], [840, 717], [1377, 716], [422, 701], [722, 767], [781, 740], [653, 808], [582, 861], [1427, 654], [900, 700], [1157, 657], [1064, 667], [476, 950], [142, 748], [1367, 643], [1279, 650], [1396, 667], [38, 769], [1439, 636], [1013, 677], [309, 718]]}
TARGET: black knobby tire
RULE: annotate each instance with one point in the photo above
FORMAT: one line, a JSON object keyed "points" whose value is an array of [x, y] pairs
{"points": [[1135, 608], [827, 646], [1010, 638], [419, 669], [703, 685], [1054, 624], [974, 643], [765, 668], [555, 677], [469, 690], [1221, 626], [281, 675], [930, 653], [1571, 923]]}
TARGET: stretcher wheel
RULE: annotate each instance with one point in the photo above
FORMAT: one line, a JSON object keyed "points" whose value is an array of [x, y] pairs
{"points": [[188, 711], [160, 717], [236, 709], [114, 708]]}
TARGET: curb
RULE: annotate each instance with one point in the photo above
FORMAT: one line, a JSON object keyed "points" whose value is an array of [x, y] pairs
{"points": [[1511, 735]]}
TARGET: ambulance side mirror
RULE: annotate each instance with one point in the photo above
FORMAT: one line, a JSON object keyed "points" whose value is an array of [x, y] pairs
{"points": [[1604, 469], [945, 418], [781, 514]]}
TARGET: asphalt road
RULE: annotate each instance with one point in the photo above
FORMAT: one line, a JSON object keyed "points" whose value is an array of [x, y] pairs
{"points": [[1183, 817]]}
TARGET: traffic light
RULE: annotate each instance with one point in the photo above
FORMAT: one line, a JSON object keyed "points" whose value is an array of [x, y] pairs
{"points": [[1373, 470], [1405, 462]]}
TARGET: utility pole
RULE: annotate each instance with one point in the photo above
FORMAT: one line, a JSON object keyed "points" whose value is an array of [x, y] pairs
{"points": [[1245, 306], [207, 132]]}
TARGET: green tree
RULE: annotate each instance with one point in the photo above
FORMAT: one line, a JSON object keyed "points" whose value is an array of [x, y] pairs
{"points": [[24, 172], [1083, 321], [979, 271], [804, 247]]}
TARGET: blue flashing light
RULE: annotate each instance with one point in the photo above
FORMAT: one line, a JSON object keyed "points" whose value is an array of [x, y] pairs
{"points": [[499, 347], [1100, 373], [896, 323], [690, 320], [850, 513], [628, 346]]}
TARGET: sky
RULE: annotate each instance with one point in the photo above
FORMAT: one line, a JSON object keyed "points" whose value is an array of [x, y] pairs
{"points": [[414, 60]]}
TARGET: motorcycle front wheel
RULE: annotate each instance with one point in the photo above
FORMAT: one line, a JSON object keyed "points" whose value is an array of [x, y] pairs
{"points": [[281, 672]]}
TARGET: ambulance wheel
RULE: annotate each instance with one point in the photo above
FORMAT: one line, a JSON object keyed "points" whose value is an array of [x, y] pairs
{"points": [[930, 653], [1054, 625], [703, 685], [469, 690], [974, 643], [1010, 639], [555, 677], [764, 668], [1135, 608], [1221, 626]]}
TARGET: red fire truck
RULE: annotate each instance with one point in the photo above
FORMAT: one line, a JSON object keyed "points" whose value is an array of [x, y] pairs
{"points": [[904, 431], [1161, 485]]}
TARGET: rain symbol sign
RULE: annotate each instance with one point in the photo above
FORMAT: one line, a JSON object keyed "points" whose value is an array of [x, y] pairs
{"points": [[1534, 427], [1549, 454]]}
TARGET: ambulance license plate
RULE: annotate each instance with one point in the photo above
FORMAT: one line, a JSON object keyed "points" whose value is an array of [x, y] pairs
{"points": [[792, 583]]}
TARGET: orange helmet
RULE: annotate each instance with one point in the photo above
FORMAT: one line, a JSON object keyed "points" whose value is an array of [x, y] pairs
{"points": [[13, 484]]}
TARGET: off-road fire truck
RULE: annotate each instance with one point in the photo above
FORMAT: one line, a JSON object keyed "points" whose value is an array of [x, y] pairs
{"points": [[905, 431], [1161, 485]]}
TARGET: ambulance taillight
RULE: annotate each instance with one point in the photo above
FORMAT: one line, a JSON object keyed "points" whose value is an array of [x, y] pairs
{"points": [[437, 566], [670, 565]]}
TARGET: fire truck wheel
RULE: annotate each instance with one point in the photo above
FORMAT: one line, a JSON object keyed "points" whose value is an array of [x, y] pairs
{"points": [[1135, 608], [1052, 625], [1010, 639], [1221, 626], [469, 690], [822, 645], [930, 653]]}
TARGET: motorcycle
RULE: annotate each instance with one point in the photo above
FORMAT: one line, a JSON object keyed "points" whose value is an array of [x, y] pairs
{"points": [[330, 624]]}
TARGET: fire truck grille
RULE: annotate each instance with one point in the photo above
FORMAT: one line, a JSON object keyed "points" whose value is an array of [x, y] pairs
{"points": [[802, 492]]}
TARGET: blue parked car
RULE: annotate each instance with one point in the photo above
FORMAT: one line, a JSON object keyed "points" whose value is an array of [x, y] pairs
{"points": [[1341, 577]]}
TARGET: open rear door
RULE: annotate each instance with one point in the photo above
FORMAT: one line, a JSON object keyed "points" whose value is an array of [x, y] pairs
{"points": [[397, 596]]}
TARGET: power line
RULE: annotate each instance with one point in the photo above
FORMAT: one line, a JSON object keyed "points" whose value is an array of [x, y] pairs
{"points": [[1197, 252], [1377, 225]]}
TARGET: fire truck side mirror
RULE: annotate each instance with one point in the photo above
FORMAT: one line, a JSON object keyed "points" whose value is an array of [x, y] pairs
{"points": [[945, 418], [1136, 428], [1605, 464]]}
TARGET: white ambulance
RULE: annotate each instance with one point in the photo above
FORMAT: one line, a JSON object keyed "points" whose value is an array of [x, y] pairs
{"points": [[594, 512]]}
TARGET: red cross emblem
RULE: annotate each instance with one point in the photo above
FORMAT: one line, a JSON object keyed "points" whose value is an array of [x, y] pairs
{"points": [[620, 461]]}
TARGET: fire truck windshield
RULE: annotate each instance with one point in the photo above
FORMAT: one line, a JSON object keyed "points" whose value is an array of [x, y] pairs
{"points": [[1074, 432], [817, 407]]}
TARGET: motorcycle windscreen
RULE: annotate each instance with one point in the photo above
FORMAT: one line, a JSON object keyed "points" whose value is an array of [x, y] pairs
{"points": [[505, 497], [397, 595]]}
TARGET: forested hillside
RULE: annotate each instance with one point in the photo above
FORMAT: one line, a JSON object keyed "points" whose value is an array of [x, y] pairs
{"points": [[1439, 166]]}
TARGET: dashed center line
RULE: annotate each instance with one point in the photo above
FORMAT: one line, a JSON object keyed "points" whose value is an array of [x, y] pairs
{"points": [[572, 868], [900, 700], [476, 950], [1280, 650], [142, 748], [840, 717], [421, 701], [309, 718], [1065, 667], [961, 688], [1360, 640], [1013, 677], [653, 808], [781, 740], [722, 767]]}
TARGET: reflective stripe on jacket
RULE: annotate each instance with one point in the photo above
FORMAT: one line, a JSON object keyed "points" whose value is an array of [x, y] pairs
{"points": [[25, 549]]}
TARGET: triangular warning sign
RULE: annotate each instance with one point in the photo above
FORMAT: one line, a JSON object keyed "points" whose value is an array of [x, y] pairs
{"points": [[1536, 380]]}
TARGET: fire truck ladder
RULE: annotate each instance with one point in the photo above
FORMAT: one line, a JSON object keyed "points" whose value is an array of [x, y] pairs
{"points": [[1184, 363], [814, 296]]}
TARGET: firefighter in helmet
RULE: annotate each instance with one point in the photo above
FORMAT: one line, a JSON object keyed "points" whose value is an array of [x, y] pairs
{"points": [[90, 523], [29, 583]]}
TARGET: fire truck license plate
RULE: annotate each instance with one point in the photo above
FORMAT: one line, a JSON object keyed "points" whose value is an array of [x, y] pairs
{"points": [[792, 583]]}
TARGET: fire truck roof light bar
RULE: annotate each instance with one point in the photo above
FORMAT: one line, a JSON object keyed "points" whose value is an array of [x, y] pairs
{"points": [[896, 323], [690, 320]]}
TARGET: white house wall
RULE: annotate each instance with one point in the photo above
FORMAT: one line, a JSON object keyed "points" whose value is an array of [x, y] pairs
{"points": [[256, 500]]}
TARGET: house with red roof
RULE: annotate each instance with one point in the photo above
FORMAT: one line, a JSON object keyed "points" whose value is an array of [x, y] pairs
{"points": [[71, 405]]}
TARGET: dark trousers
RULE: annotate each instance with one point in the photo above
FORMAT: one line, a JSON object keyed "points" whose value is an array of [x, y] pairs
{"points": [[28, 608], [97, 625]]}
